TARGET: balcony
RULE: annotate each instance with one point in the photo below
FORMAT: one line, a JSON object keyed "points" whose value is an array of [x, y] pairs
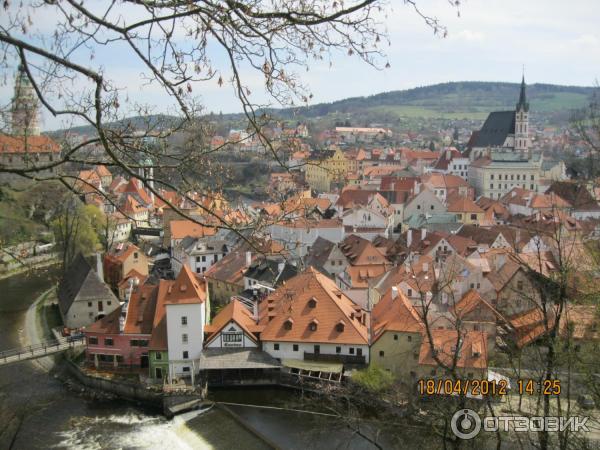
{"points": [[344, 359]]}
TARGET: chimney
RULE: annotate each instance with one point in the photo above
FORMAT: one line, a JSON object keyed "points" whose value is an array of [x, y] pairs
{"points": [[423, 233], [394, 292], [99, 267], [409, 237], [248, 259], [500, 261]]}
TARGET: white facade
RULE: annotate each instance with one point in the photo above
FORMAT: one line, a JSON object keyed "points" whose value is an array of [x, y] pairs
{"points": [[362, 220], [298, 240], [287, 349], [231, 336], [185, 334]]}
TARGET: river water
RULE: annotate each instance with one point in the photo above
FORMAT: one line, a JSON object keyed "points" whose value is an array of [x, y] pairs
{"points": [[37, 411]]}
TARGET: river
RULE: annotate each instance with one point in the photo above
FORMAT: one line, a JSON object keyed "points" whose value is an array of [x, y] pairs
{"points": [[38, 411]]}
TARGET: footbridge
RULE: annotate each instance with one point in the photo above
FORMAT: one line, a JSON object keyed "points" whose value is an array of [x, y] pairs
{"points": [[40, 350]]}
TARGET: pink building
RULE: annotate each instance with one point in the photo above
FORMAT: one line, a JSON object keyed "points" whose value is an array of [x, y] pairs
{"points": [[120, 340]]}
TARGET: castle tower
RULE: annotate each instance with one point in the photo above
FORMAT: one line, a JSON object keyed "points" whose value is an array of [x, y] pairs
{"points": [[522, 121], [24, 107]]}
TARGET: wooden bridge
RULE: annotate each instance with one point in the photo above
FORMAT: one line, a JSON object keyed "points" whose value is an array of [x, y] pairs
{"points": [[40, 350]]}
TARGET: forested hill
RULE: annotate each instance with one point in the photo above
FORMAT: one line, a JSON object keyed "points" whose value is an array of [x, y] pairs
{"points": [[471, 100], [465, 99]]}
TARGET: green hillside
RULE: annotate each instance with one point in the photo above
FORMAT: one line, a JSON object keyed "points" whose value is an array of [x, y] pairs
{"points": [[458, 100], [468, 100]]}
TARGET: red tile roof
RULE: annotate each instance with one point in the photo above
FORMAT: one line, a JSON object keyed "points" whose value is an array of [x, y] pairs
{"points": [[27, 144]]}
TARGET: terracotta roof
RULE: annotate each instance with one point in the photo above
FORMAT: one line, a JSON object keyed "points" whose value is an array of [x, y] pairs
{"points": [[121, 252], [236, 312], [132, 206], [133, 187], [27, 144], [231, 267], [395, 314], [183, 228], [462, 204], [469, 302], [361, 251], [109, 324], [440, 180], [141, 310], [187, 288], [132, 274], [103, 171], [472, 352], [331, 308]]}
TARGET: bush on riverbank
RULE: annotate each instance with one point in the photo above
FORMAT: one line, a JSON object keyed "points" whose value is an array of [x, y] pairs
{"points": [[373, 378]]}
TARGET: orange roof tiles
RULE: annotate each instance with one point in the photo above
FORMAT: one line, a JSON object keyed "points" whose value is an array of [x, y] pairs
{"points": [[293, 300], [187, 288], [462, 204], [472, 351], [236, 312], [395, 314], [184, 228], [27, 144]]}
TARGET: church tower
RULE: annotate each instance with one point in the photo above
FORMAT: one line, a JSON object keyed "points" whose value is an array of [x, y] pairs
{"points": [[24, 107], [522, 121]]}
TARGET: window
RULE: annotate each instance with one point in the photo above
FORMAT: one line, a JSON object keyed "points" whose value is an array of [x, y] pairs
{"points": [[89, 304], [418, 206], [409, 338], [359, 351], [381, 353], [351, 350], [183, 320], [109, 342], [532, 177], [203, 258], [135, 255], [492, 177], [312, 303], [158, 356], [520, 285], [473, 216], [197, 259], [433, 372], [531, 187], [409, 292], [295, 347], [317, 349], [491, 185], [275, 346], [92, 340], [518, 177], [186, 354], [184, 338], [109, 303], [232, 337], [431, 207], [138, 343], [186, 369], [395, 337], [338, 350]]}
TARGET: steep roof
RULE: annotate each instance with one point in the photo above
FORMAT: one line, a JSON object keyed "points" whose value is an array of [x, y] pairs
{"points": [[141, 310], [469, 302], [230, 268], [187, 288], [361, 251], [497, 127], [109, 324], [395, 314], [319, 252], [236, 312], [332, 311], [576, 194], [82, 282], [267, 271]]}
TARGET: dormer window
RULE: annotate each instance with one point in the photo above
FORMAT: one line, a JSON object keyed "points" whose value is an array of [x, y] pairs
{"points": [[288, 323], [340, 326], [312, 303], [313, 325]]}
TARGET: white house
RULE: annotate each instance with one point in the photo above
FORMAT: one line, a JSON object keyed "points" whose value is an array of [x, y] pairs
{"points": [[299, 235]]}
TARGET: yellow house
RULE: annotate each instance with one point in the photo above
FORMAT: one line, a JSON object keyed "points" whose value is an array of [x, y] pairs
{"points": [[466, 210], [325, 168]]}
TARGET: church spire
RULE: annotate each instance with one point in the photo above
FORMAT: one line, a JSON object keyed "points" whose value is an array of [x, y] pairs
{"points": [[523, 104]]}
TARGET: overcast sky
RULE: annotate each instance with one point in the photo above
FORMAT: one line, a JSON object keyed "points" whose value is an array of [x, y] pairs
{"points": [[558, 42]]}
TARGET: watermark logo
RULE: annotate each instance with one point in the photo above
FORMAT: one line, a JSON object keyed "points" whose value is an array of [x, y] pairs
{"points": [[466, 423]]}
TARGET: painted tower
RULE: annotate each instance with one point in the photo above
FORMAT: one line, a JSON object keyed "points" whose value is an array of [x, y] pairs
{"points": [[25, 115]]}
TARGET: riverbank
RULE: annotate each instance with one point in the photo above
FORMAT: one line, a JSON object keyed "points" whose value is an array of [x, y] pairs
{"points": [[27, 268]]}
